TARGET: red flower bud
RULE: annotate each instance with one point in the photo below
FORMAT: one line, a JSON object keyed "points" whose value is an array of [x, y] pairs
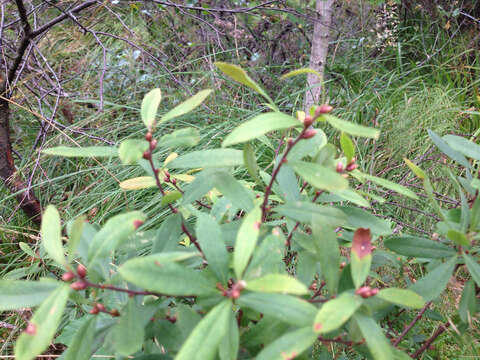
{"points": [[323, 109], [31, 329], [173, 181], [137, 224], [309, 133], [352, 166], [308, 121], [79, 285], [364, 291], [339, 167], [114, 313], [94, 311], [100, 307], [148, 136], [153, 144], [147, 155], [68, 276], [166, 179], [81, 271]]}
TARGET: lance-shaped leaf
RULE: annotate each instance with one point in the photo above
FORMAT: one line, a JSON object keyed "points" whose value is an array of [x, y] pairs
{"points": [[170, 197], [16, 294], [347, 147], [377, 343], [302, 72], [260, 125], [89, 151], [286, 308], [458, 237], [129, 332], [51, 232], [361, 255], [319, 176], [203, 342], [358, 218], [402, 297], [418, 247], [250, 162], [246, 241], [466, 147], [308, 212], [277, 283], [432, 284], [336, 312], [210, 239], [289, 346], [186, 137], [81, 346], [473, 267], [328, 252], [402, 190], [187, 106], [351, 128], [228, 348], [138, 183], [208, 158], [149, 108], [131, 150], [448, 150], [468, 303], [42, 325], [162, 273], [75, 236], [238, 74]]}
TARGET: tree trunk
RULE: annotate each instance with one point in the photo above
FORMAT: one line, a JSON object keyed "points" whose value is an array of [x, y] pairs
{"points": [[321, 32]]}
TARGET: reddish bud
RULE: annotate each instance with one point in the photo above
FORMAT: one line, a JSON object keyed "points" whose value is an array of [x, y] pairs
{"points": [[68, 276], [241, 284], [364, 292], [323, 109], [137, 224], [309, 133], [373, 292], [308, 121], [79, 285], [153, 144], [343, 264], [148, 136], [235, 294], [81, 271], [100, 307], [351, 167], [340, 167], [147, 155], [173, 181], [31, 329], [167, 174], [166, 179], [114, 313], [94, 311], [290, 142]]}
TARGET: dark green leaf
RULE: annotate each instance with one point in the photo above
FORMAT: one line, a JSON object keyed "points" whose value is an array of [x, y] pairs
{"points": [[232, 189], [466, 147], [402, 297], [358, 218], [473, 267], [167, 235], [129, 332], [468, 303], [231, 341], [432, 284], [377, 343], [458, 237], [328, 252], [277, 283], [402, 190], [18, 294], [319, 176], [447, 150], [81, 346], [289, 346], [308, 212], [336, 312], [351, 128], [208, 158], [250, 162], [418, 247], [246, 241]]}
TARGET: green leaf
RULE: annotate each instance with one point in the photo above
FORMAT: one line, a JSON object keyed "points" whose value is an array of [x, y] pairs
{"points": [[27, 249], [75, 236], [377, 343], [114, 233], [402, 297], [475, 215], [286, 308], [402, 190], [250, 162], [468, 303], [186, 137], [138, 183], [43, 325], [432, 284], [232, 189], [307, 212], [466, 147], [89, 151], [18, 294], [267, 257], [458, 237], [287, 183], [447, 150], [358, 218], [208, 158], [277, 283], [230, 343], [203, 342], [415, 169], [351, 128], [418, 247], [51, 232], [288, 346], [149, 108], [81, 346], [131, 150], [209, 236], [301, 72], [328, 253], [170, 197], [347, 147], [246, 241], [473, 268], [161, 273], [167, 235], [336, 312], [129, 332], [187, 106], [238, 74], [260, 125], [319, 176], [361, 256]]}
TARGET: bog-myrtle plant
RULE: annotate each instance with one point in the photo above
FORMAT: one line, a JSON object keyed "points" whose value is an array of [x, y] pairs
{"points": [[264, 267]]}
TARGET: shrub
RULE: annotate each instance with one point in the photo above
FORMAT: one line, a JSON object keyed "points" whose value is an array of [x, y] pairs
{"points": [[261, 267]]}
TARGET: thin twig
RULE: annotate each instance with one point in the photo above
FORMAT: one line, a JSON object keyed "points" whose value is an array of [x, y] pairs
{"points": [[411, 325]]}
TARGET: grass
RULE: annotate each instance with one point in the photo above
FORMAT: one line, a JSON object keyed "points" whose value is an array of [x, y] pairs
{"points": [[398, 92]]}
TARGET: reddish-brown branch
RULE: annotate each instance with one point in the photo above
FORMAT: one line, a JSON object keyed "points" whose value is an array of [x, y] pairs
{"points": [[410, 326], [440, 330]]}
